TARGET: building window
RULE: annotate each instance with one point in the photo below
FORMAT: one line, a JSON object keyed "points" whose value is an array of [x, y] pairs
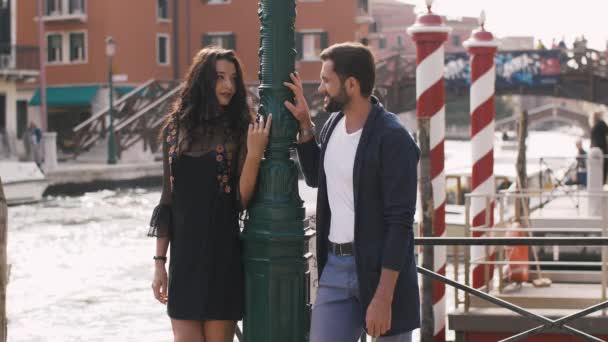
{"points": [[382, 43], [223, 40], [63, 7], [217, 2], [76, 7], [162, 49], [363, 4], [53, 7], [310, 45], [4, 4], [78, 47], [55, 48], [456, 40], [399, 41], [163, 9]]}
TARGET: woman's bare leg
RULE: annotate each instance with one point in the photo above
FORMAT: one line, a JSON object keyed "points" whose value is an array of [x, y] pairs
{"points": [[219, 331], [187, 331]]}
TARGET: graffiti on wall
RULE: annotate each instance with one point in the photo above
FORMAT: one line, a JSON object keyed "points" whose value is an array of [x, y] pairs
{"points": [[513, 68]]}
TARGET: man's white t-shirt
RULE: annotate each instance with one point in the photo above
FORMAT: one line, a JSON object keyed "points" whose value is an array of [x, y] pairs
{"points": [[338, 164]]}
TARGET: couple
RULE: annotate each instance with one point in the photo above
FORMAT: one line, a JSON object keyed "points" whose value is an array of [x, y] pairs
{"points": [[365, 168]]}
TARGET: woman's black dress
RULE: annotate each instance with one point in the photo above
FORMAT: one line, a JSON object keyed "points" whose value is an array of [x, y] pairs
{"points": [[205, 270]]}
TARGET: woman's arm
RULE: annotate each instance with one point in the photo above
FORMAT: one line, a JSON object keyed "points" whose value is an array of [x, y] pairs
{"points": [[257, 139], [160, 226]]}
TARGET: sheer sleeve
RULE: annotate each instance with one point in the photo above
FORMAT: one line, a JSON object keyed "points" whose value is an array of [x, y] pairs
{"points": [[160, 222]]}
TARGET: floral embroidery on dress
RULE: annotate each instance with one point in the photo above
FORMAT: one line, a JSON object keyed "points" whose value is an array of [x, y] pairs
{"points": [[223, 157]]}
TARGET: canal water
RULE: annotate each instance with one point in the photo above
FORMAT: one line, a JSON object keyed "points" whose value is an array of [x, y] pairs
{"points": [[81, 269]]}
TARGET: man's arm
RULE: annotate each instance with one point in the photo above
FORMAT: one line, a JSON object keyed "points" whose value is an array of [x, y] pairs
{"points": [[399, 166], [399, 173]]}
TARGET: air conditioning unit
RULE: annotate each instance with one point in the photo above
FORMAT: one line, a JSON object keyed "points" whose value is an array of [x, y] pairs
{"points": [[5, 61]]}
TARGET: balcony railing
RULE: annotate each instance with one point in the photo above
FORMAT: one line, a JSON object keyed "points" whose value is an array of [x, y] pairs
{"points": [[61, 16], [19, 57]]}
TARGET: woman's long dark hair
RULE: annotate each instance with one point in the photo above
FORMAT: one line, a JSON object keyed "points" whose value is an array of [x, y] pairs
{"points": [[197, 102]]}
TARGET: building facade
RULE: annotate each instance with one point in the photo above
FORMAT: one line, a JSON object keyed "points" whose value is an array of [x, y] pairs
{"points": [[18, 64], [391, 20], [157, 40], [75, 33]]}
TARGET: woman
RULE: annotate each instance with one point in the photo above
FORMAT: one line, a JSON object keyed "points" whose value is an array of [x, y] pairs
{"points": [[212, 150]]}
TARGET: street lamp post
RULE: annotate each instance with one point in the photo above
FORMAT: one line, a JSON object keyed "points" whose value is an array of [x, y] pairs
{"points": [[274, 237], [110, 51]]}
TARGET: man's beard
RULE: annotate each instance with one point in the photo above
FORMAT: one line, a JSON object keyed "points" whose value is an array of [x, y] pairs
{"points": [[338, 102]]}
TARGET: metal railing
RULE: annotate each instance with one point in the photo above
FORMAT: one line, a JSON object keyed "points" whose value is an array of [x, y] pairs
{"points": [[535, 198], [545, 323]]}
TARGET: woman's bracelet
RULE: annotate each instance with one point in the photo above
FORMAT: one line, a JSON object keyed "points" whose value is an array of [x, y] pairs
{"points": [[161, 258]]}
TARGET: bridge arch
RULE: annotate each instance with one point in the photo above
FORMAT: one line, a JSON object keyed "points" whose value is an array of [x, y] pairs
{"points": [[543, 109]]}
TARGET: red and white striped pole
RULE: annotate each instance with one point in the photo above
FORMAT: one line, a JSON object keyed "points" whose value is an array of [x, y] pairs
{"points": [[482, 47], [429, 33]]}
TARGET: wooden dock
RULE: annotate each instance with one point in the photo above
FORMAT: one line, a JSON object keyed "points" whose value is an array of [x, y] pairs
{"points": [[573, 288]]}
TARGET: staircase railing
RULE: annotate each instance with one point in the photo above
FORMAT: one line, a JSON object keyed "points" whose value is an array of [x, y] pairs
{"points": [[137, 115]]}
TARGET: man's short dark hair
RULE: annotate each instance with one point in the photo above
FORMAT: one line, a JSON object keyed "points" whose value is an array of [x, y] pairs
{"points": [[353, 60]]}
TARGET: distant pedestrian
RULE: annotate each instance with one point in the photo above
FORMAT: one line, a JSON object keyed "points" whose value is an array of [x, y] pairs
{"points": [[580, 169], [581, 156], [599, 132], [540, 45], [35, 136], [554, 45], [562, 44], [583, 42], [212, 150]]}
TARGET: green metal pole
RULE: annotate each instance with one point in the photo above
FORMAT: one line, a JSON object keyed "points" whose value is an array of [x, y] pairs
{"points": [[274, 237], [111, 141]]}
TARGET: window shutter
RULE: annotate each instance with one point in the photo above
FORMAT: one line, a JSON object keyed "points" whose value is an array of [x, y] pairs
{"points": [[324, 41], [206, 40], [232, 41], [299, 45]]}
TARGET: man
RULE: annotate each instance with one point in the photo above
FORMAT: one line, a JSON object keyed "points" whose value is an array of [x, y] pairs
{"points": [[365, 169], [599, 132]]}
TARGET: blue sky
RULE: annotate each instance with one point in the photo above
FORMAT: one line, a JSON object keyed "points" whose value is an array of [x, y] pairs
{"points": [[544, 19]]}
